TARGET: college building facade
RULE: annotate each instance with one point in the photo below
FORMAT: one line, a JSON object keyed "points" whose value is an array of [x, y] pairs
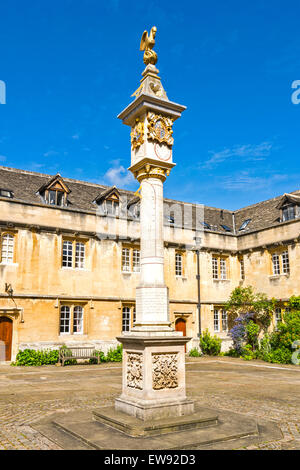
{"points": [[70, 261]]}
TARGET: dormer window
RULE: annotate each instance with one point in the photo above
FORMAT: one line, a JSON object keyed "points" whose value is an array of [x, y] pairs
{"points": [[109, 202], [289, 207], [55, 198], [55, 192], [111, 207], [288, 212], [134, 208], [135, 211]]}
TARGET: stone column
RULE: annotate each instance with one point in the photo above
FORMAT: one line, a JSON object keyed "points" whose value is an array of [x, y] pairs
{"points": [[152, 309]]}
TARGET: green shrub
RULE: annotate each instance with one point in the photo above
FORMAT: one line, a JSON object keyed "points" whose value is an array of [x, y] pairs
{"points": [[31, 357], [248, 354], [232, 352], [280, 356], [96, 353], [115, 355], [210, 345], [195, 353], [287, 332], [252, 332]]}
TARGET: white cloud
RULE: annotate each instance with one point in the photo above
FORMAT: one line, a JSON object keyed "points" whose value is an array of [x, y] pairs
{"points": [[75, 136], [118, 176], [243, 181], [245, 152], [2, 158]]}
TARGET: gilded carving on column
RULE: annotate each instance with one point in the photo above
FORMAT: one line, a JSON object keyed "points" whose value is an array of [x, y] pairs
{"points": [[164, 371], [134, 370], [137, 134], [160, 128], [149, 171]]}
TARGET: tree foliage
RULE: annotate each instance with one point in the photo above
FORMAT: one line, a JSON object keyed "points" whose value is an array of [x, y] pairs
{"points": [[243, 301]]}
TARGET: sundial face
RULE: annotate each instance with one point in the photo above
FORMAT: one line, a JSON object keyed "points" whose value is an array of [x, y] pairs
{"points": [[162, 151]]}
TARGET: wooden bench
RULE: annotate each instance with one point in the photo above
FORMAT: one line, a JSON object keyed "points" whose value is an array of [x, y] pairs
{"points": [[69, 353]]}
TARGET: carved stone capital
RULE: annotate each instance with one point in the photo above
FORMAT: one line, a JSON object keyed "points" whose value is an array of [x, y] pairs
{"points": [[151, 171]]}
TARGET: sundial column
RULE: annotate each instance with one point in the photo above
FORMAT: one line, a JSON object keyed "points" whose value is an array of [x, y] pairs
{"points": [[152, 294], [153, 384]]}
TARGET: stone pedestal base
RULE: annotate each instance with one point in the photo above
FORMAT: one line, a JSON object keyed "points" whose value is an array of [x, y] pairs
{"points": [[147, 411], [154, 377]]}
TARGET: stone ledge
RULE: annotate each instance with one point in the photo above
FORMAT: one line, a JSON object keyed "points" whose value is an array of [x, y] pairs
{"points": [[136, 428]]}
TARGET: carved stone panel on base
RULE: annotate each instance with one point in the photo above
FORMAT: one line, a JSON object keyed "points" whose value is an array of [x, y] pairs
{"points": [[164, 371], [135, 370]]}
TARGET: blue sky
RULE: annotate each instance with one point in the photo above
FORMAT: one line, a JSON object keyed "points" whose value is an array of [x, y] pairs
{"points": [[70, 67]]}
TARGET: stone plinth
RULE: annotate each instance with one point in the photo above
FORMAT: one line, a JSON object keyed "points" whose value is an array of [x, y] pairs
{"points": [[154, 377]]}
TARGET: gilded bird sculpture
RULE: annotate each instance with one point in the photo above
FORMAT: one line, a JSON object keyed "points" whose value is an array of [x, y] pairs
{"points": [[147, 44]]}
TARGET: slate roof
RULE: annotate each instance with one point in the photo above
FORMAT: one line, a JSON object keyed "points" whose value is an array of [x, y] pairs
{"points": [[26, 184]]}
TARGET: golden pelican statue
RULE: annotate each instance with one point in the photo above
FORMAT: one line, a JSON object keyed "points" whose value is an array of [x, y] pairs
{"points": [[147, 44]]}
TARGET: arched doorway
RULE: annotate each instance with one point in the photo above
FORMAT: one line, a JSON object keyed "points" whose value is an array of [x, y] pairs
{"points": [[6, 328], [180, 325]]}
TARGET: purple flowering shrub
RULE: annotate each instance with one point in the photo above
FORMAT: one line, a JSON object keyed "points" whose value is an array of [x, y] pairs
{"points": [[238, 332]]}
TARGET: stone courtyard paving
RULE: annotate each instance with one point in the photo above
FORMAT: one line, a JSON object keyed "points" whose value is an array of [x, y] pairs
{"points": [[256, 389]]}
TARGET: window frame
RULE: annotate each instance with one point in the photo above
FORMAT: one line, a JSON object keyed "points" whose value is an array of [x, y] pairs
{"points": [[110, 207], [278, 311], [6, 259], [220, 319], [72, 310], [280, 262], [220, 268], [242, 267], [64, 319], [56, 191], [78, 309], [224, 320], [289, 212], [75, 258], [129, 260], [276, 264], [179, 264], [216, 320], [130, 318]]}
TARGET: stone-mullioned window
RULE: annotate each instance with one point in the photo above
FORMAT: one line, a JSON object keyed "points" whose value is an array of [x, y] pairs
{"points": [[73, 254], [281, 263], [220, 267], [71, 319], [131, 260]]}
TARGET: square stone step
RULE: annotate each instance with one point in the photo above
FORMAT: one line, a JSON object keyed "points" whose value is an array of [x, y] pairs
{"points": [[137, 428]]}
